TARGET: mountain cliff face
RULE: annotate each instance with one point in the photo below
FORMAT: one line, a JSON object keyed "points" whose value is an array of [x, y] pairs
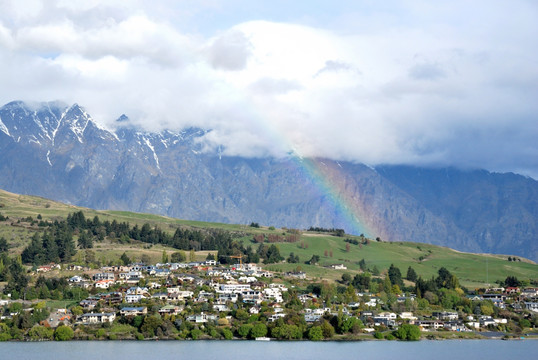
{"points": [[58, 151]]}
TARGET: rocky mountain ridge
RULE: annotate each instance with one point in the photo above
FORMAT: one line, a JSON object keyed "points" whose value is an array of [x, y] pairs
{"points": [[60, 152]]}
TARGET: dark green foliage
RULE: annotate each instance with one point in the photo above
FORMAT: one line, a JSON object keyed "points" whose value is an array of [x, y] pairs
{"points": [[178, 257], [336, 232], [411, 274], [395, 276], [270, 254], [407, 332], [254, 225], [313, 260], [293, 259], [54, 245], [63, 333], [125, 259], [3, 245], [85, 240], [511, 281], [361, 281], [315, 333], [16, 277]]}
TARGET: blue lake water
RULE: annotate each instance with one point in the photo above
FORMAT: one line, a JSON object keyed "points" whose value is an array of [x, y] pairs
{"points": [[162, 350]]}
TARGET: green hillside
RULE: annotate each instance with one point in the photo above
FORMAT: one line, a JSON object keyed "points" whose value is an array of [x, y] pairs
{"points": [[473, 270]]}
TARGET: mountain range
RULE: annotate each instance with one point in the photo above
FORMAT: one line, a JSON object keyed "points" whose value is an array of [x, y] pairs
{"points": [[58, 151]]}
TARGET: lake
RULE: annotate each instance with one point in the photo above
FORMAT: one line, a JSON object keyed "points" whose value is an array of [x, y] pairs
{"points": [[162, 350]]}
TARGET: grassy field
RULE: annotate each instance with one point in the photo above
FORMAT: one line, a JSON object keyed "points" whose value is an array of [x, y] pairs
{"points": [[473, 270]]}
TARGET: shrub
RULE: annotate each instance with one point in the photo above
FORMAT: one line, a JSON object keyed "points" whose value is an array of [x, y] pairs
{"points": [[63, 333]]}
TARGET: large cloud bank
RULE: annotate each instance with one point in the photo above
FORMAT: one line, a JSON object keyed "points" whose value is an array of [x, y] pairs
{"points": [[415, 82]]}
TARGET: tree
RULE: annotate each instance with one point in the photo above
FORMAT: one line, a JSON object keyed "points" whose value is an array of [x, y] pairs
{"points": [[244, 330], [3, 245], [259, 330], [407, 332], [125, 259], [314, 260], [315, 333], [210, 256], [395, 276], [511, 281], [164, 258], [41, 333], [63, 333], [178, 257], [327, 330], [411, 274], [192, 256], [348, 247]]}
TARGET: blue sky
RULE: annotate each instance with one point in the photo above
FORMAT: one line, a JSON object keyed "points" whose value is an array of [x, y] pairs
{"points": [[444, 83]]}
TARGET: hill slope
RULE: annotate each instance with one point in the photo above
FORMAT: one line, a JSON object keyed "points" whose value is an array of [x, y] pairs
{"points": [[473, 270], [59, 152]]}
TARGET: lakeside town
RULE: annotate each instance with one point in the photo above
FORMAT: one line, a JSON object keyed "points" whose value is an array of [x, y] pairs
{"points": [[207, 300]]}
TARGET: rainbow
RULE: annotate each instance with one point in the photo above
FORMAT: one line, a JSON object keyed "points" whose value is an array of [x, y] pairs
{"points": [[327, 177], [329, 180]]}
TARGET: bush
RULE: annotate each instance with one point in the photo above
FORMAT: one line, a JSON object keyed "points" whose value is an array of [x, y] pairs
{"points": [[196, 333], [63, 333], [315, 333], [408, 332], [227, 333], [378, 335]]}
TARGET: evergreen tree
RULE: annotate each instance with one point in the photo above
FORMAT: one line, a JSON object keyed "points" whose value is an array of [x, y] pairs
{"points": [[411, 274], [395, 276]]}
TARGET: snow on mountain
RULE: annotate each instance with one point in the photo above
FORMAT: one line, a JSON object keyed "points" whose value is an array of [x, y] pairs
{"points": [[58, 151]]}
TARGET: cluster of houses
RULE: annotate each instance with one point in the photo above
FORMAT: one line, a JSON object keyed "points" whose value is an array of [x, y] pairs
{"points": [[176, 284]]}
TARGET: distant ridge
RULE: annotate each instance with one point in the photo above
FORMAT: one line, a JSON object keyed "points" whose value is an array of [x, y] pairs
{"points": [[58, 151]]}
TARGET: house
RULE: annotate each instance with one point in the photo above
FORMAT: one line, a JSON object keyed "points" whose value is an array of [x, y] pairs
{"points": [[75, 279], [134, 298], [210, 263], [445, 315], [233, 288], [309, 318], [275, 317], [221, 307], [176, 294], [387, 319], [307, 297], [170, 310], [160, 296], [201, 318], [426, 325], [223, 298], [532, 306], [47, 268], [103, 284], [252, 297], [134, 311], [137, 290], [486, 321], [529, 292], [96, 318], [512, 290], [338, 267], [408, 316], [88, 304], [296, 274], [103, 276]]}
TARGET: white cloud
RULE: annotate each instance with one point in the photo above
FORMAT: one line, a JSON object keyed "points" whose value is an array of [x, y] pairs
{"points": [[450, 84]]}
